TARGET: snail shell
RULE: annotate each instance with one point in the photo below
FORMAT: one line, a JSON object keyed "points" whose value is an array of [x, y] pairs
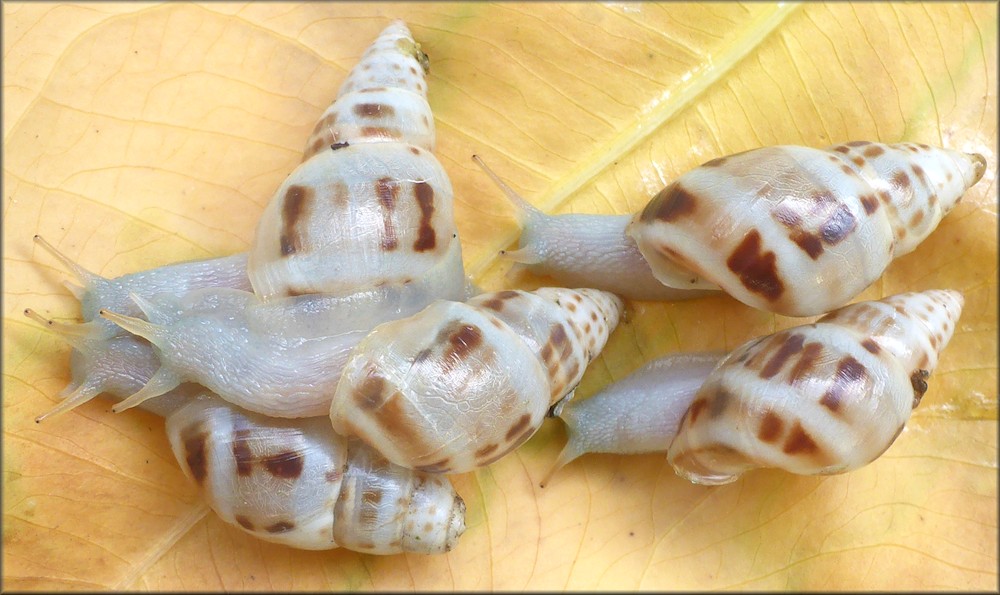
{"points": [[823, 398], [772, 227], [374, 208], [459, 385]]}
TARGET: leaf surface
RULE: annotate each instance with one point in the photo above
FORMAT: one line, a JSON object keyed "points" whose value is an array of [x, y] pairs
{"points": [[138, 134]]}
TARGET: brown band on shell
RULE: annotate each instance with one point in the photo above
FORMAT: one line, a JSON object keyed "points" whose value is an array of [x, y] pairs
{"points": [[756, 268], [439, 466], [242, 455], [281, 527], [195, 438], [810, 355], [374, 110], [293, 208], [426, 238], [244, 522], [368, 514], [695, 410], [670, 204], [799, 442], [518, 427], [770, 428], [850, 372], [285, 465], [792, 344], [387, 191]]}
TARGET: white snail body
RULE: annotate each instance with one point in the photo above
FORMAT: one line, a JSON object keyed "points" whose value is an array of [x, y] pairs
{"points": [[282, 357], [773, 227], [459, 385], [821, 398], [105, 357], [637, 414]]}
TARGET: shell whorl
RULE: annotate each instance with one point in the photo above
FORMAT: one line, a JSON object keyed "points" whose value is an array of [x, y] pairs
{"points": [[821, 398], [824, 224], [459, 385]]}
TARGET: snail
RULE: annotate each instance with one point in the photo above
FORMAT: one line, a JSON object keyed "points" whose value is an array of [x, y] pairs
{"points": [[358, 234], [459, 385], [792, 230], [821, 398], [293, 482]]}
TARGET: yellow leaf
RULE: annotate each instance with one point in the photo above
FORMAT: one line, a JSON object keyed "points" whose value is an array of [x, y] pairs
{"points": [[138, 134]]}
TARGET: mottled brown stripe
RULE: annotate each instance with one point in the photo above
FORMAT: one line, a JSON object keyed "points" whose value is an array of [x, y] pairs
{"points": [[799, 442], [426, 238], [850, 372], [244, 522], [874, 151], [869, 202], [838, 226], [810, 354], [695, 410], [369, 395], [670, 204], [374, 110], [518, 426], [719, 402], [293, 208], [387, 191], [463, 341], [241, 452], [770, 427], [792, 345], [440, 466], [755, 268], [486, 450], [871, 346], [195, 438], [286, 465], [281, 527]]}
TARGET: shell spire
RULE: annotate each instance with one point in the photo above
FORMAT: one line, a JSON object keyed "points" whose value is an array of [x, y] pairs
{"points": [[383, 98], [822, 398]]}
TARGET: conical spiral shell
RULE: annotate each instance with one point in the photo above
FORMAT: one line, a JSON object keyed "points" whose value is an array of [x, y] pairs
{"points": [[370, 204], [821, 398], [800, 231], [459, 385], [300, 484]]}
